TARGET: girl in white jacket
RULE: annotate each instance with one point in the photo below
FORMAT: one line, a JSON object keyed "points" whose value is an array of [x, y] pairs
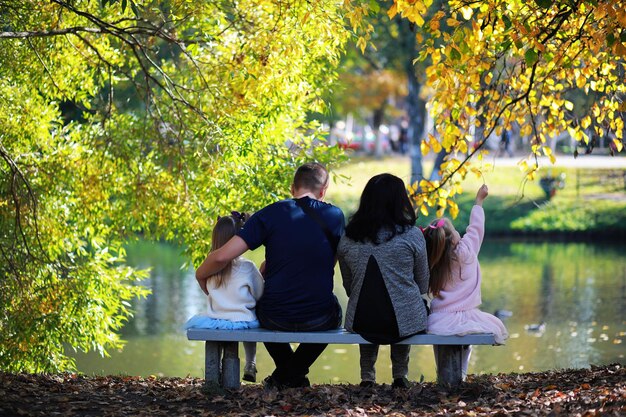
{"points": [[232, 293]]}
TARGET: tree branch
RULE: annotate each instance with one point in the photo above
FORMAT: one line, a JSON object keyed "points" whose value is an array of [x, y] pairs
{"points": [[48, 33]]}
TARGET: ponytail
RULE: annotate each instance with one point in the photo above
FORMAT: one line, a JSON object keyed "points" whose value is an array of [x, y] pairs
{"points": [[225, 228], [440, 255]]}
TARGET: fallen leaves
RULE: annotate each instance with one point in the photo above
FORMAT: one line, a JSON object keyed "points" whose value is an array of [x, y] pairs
{"points": [[585, 392]]}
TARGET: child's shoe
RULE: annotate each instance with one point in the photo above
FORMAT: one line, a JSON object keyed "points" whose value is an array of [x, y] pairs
{"points": [[249, 372]]}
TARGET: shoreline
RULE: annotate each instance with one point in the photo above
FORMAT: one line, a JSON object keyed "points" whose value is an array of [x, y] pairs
{"points": [[574, 236]]}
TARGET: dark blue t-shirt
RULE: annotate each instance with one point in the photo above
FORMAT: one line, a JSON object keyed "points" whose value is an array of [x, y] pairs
{"points": [[299, 260]]}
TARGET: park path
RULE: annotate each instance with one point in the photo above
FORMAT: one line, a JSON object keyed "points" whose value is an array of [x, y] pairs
{"points": [[567, 161]]}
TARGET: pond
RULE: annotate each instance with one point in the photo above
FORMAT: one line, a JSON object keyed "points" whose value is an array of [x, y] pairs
{"points": [[567, 304]]}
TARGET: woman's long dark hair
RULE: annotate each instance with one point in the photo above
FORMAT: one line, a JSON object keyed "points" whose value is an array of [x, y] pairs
{"points": [[384, 205]]}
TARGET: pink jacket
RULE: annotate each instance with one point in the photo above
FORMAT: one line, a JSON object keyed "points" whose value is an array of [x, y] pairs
{"points": [[463, 290]]}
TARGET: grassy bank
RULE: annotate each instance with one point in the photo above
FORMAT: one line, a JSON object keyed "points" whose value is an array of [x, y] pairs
{"points": [[592, 202]]}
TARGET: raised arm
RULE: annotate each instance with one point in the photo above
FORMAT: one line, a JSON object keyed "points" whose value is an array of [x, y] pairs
{"points": [[217, 260], [473, 238]]}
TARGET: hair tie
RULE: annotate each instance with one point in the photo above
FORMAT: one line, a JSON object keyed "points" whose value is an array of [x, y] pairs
{"points": [[439, 224], [238, 216]]}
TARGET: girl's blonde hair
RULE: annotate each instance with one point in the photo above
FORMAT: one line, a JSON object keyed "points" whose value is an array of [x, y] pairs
{"points": [[440, 251], [225, 228]]}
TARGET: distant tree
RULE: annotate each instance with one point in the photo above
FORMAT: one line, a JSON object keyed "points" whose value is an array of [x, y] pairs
{"points": [[125, 118], [391, 45]]}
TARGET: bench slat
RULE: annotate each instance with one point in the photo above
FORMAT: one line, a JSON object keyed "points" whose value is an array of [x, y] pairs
{"points": [[339, 336]]}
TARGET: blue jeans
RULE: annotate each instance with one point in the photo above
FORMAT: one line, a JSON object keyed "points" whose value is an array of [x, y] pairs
{"points": [[294, 365]]}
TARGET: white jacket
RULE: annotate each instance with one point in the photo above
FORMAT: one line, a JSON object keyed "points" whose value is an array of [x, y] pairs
{"points": [[236, 300]]}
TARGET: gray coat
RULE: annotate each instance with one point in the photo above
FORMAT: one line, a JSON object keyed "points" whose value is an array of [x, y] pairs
{"points": [[403, 264]]}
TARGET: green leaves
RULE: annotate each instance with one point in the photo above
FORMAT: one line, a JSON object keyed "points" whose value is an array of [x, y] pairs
{"points": [[506, 21], [455, 54], [123, 5], [374, 6], [545, 4], [531, 57], [205, 115]]}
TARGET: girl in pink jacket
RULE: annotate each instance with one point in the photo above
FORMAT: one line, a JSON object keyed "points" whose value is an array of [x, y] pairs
{"points": [[455, 280]]}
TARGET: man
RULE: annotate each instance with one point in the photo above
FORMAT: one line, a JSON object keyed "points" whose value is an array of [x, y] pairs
{"points": [[300, 236]]}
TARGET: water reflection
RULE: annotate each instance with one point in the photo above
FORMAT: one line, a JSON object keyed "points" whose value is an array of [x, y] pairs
{"points": [[575, 293]]}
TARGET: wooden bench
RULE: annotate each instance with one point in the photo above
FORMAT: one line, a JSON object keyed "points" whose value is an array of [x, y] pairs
{"points": [[227, 373]]}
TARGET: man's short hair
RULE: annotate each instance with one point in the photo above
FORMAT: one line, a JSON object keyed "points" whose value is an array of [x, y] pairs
{"points": [[311, 176]]}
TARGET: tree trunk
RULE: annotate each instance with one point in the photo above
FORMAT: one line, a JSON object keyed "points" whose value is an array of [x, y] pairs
{"points": [[416, 107]]}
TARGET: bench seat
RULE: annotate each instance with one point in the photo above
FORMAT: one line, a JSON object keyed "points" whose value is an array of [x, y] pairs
{"points": [[222, 365]]}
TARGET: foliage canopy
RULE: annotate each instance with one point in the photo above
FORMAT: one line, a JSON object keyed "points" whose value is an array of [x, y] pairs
{"points": [[121, 118], [139, 117], [543, 67]]}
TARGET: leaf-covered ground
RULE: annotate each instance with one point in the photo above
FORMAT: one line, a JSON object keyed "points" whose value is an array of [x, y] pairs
{"points": [[586, 392]]}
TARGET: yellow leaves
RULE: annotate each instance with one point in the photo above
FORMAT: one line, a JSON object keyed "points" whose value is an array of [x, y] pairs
{"points": [[476, 172], [528, 170], [548, 152], [434, 143], [585, 122], [526, 130], [535, 148], [393, 11], [412, 10], [595, 110], [452, 22], [462, 146], [618, 144], [621, 16], [361, 43], [467, 12], [512, 66], [475, 80], [416, 18], [619, 49], [434, 194], [582, 136], [454, 208], [581, 81]]}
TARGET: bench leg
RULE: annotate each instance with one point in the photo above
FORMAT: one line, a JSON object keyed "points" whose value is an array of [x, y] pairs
{"points": [[231, 365], [449, 366], [212, 354]]}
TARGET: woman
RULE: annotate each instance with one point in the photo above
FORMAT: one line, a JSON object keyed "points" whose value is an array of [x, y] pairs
{"points": [[384, 266]]}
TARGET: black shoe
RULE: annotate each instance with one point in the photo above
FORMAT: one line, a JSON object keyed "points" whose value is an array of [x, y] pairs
{"points": [[299, 382], [270, 383], [249, 373], [367, 384], [401, 383]]}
